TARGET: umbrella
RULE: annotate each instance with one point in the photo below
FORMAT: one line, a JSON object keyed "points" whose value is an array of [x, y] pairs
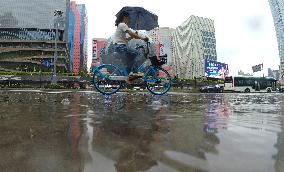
{"points": [[141, 19]]}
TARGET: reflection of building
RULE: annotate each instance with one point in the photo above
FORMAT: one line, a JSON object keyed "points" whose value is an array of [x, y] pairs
{"points": [[27, 34], [277, 9], [273, 73], [98, 45], [193, 42], [279, 158], [77, 38]]}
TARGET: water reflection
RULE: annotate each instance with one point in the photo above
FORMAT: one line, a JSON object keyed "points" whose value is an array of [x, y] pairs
{"points": [[85, 131], [279, 157]]}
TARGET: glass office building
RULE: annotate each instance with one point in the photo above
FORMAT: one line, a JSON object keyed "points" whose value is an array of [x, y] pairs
{"points": [[29, 17], [27, 34]]}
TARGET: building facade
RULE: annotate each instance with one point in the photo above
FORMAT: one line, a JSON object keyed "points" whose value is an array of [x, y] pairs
{"points": [[27, 34], [193, 43], [162, 38], [274, 74], [277, 10], [83, 37], [78, 38], [98, 45]]}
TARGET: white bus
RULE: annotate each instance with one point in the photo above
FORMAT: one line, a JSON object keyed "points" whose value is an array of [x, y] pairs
{"points": [[250, 84]]}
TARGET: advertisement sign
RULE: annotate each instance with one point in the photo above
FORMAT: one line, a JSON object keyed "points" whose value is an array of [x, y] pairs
{"points": [[95, 48], [215, 69]]}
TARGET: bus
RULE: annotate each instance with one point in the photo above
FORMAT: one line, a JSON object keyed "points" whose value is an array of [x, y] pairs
{"points": [[250, 84]]}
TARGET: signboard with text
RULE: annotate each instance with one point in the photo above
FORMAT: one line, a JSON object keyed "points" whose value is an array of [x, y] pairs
{"points": [[215, 69], [257, 68]]}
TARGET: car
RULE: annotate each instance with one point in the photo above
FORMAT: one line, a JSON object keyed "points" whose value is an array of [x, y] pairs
{"points": [[280, 90], [212, 89]]}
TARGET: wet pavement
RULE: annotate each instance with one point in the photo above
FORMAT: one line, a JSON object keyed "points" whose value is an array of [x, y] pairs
{"points": [[62, 131]]}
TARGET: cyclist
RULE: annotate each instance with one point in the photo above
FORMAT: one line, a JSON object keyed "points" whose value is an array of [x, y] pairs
{"points": [[120, 43]]}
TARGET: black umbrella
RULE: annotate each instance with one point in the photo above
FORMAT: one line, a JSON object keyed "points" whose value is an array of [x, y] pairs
{"points": [[141, 19]]}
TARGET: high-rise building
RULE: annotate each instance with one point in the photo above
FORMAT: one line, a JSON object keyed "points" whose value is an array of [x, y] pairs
{"points": [[77, 37], [83, 37], [98, 45], [74, 38], [162, 38], [193, 43], [27, 34], [274, 74], [277, 9]]}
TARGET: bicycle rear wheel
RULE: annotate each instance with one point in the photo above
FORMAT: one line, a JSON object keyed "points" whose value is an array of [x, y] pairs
{"points": [[157, 80], [102, 81]]}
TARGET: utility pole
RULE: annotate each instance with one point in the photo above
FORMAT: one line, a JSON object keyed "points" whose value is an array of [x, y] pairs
{"points": [[57, 14]]}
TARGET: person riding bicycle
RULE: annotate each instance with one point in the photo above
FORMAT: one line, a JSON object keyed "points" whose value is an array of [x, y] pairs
{"points": [[120, 41]]}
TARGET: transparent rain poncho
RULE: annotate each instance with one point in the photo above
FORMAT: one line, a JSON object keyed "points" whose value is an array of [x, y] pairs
{"points": [[109, 55]]}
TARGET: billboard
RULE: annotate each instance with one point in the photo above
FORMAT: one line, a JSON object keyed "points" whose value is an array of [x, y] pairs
{"points": [[215, 69]]}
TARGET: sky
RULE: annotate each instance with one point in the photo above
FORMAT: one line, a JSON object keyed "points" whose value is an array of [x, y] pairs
{"points": [[245, 34]]}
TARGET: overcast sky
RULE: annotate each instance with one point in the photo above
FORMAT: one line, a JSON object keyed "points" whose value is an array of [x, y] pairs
{"points": [[245, 32]]}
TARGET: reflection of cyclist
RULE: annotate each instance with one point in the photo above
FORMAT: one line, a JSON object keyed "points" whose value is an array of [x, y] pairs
{"points": [[120, 40]]}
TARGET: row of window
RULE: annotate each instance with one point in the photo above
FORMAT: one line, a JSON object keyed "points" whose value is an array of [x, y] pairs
{"points": [[208, 40], [206, 45], [253, 83], [209, 56], [30, 35], [208, 34], [210, 51]]}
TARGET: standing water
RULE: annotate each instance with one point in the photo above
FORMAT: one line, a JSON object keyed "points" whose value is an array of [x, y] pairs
{"points": [[86, 132]]}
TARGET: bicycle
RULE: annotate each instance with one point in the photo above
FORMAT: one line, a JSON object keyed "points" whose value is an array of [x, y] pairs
{"points": [[109, 78]]}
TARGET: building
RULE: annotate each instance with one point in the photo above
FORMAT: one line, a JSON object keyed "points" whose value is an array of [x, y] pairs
{"points": [[242, 73], [78, 37], [74, 38], [83, 37], [274, 73], [162, 38], [277, 10], [27, 34], [98, 45], [193, 43]]}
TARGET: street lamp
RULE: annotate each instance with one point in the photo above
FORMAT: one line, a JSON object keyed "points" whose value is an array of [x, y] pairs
{"points": [[58, 14]]}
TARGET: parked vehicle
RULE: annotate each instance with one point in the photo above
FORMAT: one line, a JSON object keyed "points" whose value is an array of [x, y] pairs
{"points": [[212, 89]]}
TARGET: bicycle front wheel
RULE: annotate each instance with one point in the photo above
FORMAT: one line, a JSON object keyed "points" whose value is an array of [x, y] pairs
{"points": [[157, 80], [102, 79]]}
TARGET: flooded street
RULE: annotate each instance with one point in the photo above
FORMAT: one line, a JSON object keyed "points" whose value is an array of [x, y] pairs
{"points": [[61, 131]]}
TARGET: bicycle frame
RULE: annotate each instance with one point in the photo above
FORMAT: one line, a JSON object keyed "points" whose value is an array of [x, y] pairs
{"points": [[125, 74]]}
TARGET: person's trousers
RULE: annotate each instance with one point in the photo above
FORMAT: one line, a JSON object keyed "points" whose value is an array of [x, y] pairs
{"points": [[130, 57]]}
